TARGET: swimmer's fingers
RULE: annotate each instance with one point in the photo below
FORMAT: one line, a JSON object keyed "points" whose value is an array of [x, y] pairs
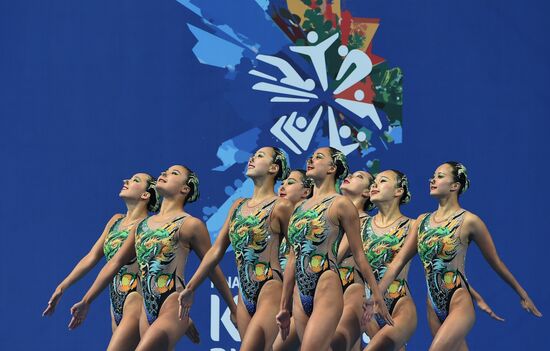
{"points": [[52, 304], [495, 316], [530, 307], [193, 333], [368, 312], [382, 310], [233, 317], [185, 300], [78, 312], [50, 309], [283, 321], [487, 309], [74, 323]]}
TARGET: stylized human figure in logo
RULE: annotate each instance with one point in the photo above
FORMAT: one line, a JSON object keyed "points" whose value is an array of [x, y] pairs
{"points": [[315, 231], [140, 196], [161, 244], [295, 188], [362, 67], [295, 132], [316, 54], [441, 240], [253, 227]]}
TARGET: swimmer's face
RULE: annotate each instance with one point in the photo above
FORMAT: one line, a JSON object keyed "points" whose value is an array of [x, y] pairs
{"points": [[442, 182], [293, 188], [357, 183], [173, 181], [384, 188], [135, 187], [320, 164], [261, 163]]}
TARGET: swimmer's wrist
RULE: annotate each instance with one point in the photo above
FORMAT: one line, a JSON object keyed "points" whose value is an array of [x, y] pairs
{"points": [[87, 300]]}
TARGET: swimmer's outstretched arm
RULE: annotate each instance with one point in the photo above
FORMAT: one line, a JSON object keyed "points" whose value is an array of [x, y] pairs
{"points": [[125, 254], [81, 269], [349, 219], [281, 218], [406, 253], [283, 317], [480, 235], [209, 261], [483, 305], [200, 243]]}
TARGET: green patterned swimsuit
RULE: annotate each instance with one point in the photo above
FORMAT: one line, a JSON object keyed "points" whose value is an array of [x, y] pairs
{"points": [[256, 251], [159, 257], [284, 251], [443, 255], [126, 280], [380, 250], [315, 240]]}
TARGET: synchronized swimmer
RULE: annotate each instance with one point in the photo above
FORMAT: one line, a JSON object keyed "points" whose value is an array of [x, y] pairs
{"points": [[316, 271]]}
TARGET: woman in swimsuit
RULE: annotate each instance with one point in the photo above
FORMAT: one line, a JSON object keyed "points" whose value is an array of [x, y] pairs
{"points": [[140, 196], [356, 188], [315, 231], [383, 236], [161, 245], [441, 239], [253, 227], [295, 188]]}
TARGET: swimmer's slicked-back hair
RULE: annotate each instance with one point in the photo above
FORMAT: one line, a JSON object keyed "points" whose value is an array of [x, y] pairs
{"points": [[403, 182], [341, 163], [460, 175], [369, 205], [154, 202], [307, 182], [280, 159], [193, 183]]}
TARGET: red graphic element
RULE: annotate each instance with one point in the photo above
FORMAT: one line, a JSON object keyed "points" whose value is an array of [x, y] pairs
{"points": [[365, 87], [345, 27], [329, 15]]}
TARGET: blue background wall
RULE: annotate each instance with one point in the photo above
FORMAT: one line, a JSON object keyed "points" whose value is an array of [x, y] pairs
{"points": [[92, 92]]}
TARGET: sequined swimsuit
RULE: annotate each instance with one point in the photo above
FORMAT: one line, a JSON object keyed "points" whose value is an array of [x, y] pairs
{"points": [[348, 267], [256, 249], [380, 250], [159, 261], [443, 255], [126, 280], [315, 240]]}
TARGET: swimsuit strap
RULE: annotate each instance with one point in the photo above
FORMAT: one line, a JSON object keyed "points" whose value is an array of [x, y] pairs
{"points": [[238, 208], [117, 223]]}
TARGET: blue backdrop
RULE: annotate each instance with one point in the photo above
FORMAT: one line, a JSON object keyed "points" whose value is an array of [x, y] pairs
{"points": [[92, 92]]}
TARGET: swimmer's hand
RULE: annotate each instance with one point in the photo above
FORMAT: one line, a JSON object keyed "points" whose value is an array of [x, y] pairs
{"points": [[482, 305], [185, 300], [79, 311], [529, 306], [52, 304], [368, 312], [233, 317], [193, 333], [283, 321], [381, 309]]}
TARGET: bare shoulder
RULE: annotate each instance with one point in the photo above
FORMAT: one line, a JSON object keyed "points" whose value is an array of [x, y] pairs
{"points": [[283, 204], [113, 219], [192, 225], [343, 202], [472, 221]]}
